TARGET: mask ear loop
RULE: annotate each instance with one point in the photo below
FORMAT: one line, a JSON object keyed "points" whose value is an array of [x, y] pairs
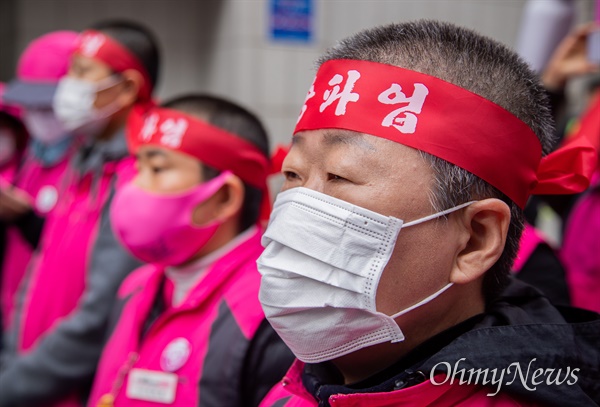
{"points": [[447, 286], [423, 302], [111, 80], [437, 215], [110, 109]]}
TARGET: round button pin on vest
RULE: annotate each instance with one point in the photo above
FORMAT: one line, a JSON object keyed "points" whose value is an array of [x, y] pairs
{"points": [[46, 199], [175, 355]]}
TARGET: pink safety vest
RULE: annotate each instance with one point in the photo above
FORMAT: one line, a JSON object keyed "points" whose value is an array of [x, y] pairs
{"points": [[58, 271], [580, 252], [42, 184], [56, 276], [233, 280], [291, 393]]}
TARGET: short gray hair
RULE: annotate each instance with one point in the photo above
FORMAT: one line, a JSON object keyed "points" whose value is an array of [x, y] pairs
{"points": [[482, 66]]}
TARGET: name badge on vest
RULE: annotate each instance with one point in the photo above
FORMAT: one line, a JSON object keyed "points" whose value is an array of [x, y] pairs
{"points": [[150, 385]]}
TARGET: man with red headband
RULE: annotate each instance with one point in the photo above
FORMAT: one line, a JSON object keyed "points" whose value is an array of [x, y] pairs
{"points": [[387, 256], [191, 331], [61, 318]]}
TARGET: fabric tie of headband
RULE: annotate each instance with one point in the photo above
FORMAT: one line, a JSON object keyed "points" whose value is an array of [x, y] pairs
{"points": [[213, 146], [97, 45], [444, 120]]}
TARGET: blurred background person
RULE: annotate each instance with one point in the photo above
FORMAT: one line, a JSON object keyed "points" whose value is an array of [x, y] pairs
{"points": [[60, 322], [560, 54], [578, 55], [580, 251], [543, 25], [13, 141], [538, 264], [13, 138], [35, 183], [568, 270]]}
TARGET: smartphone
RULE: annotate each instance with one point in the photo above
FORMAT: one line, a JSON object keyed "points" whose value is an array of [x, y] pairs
{"points": [[593, 47]]}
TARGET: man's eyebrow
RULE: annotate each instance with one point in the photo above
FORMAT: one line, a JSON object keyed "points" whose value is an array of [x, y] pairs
{"points": [[336, 137]]}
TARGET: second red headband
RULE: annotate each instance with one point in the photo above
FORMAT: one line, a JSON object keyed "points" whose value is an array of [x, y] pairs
{"points": [[212, 145]]}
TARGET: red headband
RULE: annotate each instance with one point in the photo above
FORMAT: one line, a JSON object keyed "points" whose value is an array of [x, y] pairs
{"points": [[212, 145], [442, 119], [94, 44]]}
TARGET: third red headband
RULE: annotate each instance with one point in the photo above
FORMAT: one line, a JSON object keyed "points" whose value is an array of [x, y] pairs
{"points": [[95, 44]]}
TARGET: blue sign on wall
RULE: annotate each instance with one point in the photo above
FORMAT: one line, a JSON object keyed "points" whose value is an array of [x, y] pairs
{"points": [[291, 20]]}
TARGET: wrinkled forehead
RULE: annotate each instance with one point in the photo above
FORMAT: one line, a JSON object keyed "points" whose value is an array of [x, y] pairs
{"points": [[329, 138]]}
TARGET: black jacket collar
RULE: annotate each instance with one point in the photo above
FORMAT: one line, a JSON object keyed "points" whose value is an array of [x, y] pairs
{"points": [[519, 327]]}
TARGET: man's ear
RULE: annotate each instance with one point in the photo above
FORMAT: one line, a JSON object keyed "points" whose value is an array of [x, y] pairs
{"points": [[225, 204], [484, 229], [132, 83]]}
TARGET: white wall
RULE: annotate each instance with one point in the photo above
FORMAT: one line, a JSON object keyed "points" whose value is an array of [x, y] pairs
{"points": [[222, 46]]}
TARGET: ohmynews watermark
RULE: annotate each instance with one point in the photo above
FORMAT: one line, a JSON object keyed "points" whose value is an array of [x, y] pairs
{"points": [[530, 379]]}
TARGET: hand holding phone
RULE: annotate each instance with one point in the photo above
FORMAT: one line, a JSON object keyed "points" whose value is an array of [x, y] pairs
{"points": [[577, 54]]}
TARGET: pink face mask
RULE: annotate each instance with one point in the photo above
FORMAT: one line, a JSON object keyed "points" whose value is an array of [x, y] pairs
{"points": [[158, 229]]}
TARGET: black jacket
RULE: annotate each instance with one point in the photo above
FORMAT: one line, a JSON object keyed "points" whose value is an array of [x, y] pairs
{"points": [[522, 327]]}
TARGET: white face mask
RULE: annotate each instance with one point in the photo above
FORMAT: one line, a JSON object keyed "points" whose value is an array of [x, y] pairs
{"points": [[321, 266], [74, 105], [8, 147], [44, 127]]}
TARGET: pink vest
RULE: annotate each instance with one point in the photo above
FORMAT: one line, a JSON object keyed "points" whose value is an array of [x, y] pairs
{"points": [[580, 252], [58, 271], [233, 280], [56, 276], [421, 395], [42, 184]]}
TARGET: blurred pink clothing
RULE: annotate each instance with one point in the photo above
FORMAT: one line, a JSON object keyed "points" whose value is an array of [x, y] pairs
{"points": [[42, 184], [580, 252]]}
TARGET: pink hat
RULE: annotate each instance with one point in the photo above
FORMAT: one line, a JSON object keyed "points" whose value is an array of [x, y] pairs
{"points": [[44, 61]]}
